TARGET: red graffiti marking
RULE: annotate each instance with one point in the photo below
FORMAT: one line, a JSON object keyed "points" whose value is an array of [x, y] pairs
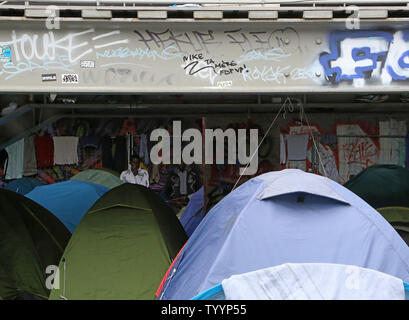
{"points": [[359, 152]]}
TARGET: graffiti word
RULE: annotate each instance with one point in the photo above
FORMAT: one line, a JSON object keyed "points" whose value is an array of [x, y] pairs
{"points": [[125, 76], [220, 67], [34, 46], [207, 68], [266, 74], [192, 152], [287, 38], [186, 41], [367, 55], [356, 152], [123, 52], [359, 152], [300, 74], [60, 63], [275, 54]]}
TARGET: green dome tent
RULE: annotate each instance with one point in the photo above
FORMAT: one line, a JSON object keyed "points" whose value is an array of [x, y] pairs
{"points": [[115, 173], [382, 186], [98, 176], [122, 247], [398, 217], [31, 238]]}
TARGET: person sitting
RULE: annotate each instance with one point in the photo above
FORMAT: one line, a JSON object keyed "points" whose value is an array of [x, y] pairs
{"points": [[135, 174]]}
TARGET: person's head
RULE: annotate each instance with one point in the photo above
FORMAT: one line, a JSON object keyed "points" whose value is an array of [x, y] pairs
{"points": [[135, 163]]}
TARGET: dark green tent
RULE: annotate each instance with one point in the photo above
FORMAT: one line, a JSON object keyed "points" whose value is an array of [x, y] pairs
{"points": [[398, 217], [31, 238], [122, 247], [382, 186]]}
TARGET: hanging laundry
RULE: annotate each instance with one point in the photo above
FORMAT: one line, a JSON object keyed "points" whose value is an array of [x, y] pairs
{"points": [[183, 181], [114, 153], [44, 151], [65, 150], [143, 149], [30, 160], [297, 146], [107, 158], [15, 162], [3, 159], [283, 155], [91, 142], [121, 155]]}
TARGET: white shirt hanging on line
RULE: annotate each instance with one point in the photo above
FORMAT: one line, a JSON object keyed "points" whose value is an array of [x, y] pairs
{"points": [[141, 178], [65, 150]]}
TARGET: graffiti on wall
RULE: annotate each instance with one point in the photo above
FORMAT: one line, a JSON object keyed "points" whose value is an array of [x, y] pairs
{"points": [[356, 151], [349, 148], [224, 58], [282, 57], [363, 57]]}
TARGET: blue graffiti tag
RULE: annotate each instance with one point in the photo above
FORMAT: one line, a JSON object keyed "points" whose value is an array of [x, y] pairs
{"points": [[61, 62], [357, 54]]}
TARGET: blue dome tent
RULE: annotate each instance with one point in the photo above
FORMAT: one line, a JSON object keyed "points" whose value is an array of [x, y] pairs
{"points": [[287, 216], [68, 200]]}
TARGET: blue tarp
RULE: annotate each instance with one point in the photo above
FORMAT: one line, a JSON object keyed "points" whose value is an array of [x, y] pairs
{"points": [[287, 216], [194, 212], [69, 201], [23, 185]]}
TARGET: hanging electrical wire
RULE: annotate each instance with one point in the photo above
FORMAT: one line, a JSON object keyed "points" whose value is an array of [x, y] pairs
{"points": [[313, 139], [284, 106]]}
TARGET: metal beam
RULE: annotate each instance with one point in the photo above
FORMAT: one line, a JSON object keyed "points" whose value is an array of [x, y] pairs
{"points": [[202, 2], [206, 57]]}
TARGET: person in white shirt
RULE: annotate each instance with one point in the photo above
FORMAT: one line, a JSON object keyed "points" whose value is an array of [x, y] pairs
{"points": [[135, 174]]}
